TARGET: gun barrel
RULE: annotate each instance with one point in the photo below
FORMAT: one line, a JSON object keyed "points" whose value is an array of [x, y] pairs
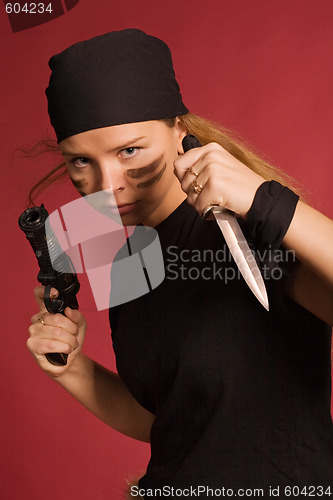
{"points": [[61, 274]]}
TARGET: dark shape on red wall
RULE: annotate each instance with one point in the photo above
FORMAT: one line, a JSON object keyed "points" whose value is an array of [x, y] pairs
{"points": [[71, 3], [24, 15]]}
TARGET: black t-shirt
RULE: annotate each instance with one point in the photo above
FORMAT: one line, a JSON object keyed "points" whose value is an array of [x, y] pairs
{"points": [[241, 395]]}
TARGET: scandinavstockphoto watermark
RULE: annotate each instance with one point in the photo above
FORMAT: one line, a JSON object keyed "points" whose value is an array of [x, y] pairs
{"points": [[123, 263], [208, 264]]}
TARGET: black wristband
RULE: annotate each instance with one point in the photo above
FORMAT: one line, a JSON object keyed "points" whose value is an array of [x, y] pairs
{"points": [[270, 215]]}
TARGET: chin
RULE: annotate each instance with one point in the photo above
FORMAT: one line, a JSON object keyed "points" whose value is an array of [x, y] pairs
{"points": [[130, 220]]}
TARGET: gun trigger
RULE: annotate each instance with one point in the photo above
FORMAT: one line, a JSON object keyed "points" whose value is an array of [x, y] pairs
{"points": [[47, 298], [53, 306]]}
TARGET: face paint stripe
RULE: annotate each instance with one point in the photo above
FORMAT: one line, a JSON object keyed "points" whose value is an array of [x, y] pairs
{"points": [[137, 173], [153, 180], [78, 183]]}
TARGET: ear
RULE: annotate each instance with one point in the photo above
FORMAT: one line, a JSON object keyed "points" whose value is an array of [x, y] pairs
{"points": [[181, 132]]}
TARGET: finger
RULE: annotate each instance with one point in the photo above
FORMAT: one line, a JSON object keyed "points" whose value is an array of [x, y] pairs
{"points": [[190, 181], [39, 296], [210, 195], [37, 317], [191, 158], [59, 321], [40, 347], [210, 163], [195, 191], [46, 333], [75, 316]]}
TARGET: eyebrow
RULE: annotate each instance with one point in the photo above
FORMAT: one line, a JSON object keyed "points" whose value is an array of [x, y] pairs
{"points": [[130, 143], [122, 146], [137, 173], [68, 153]]}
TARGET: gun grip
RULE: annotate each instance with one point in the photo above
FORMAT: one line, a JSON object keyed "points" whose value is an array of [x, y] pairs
{"points": [[55, 358]]}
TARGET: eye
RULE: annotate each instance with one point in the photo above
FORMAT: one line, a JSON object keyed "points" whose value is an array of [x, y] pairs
{"points": [[129, 152], [80, 161]]}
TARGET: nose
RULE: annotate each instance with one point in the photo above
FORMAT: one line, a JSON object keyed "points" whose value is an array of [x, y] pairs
{"points": [[110, 177]]}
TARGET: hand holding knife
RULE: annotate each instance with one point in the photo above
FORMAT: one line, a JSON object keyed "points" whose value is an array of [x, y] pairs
{"points": [[234, 237]]}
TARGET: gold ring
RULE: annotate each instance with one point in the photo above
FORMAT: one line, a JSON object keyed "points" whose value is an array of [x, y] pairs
{"points": [[197, 187], [41, 320], [192, 171]]}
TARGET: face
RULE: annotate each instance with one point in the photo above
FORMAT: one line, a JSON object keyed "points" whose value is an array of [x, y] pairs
{"points": [[132, 164]]}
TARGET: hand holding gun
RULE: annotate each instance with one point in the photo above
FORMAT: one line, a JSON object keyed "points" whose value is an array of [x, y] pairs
{"points": [[59, 275]]}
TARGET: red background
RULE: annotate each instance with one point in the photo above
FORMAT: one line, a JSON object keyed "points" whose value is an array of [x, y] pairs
{"points": [[263, 68]]}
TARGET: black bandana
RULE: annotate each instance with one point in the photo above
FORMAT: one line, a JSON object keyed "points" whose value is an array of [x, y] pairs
{"points": [[120, 77]]}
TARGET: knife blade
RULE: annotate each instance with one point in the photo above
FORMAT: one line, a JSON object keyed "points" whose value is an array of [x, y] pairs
{"points": [[235, 239]]}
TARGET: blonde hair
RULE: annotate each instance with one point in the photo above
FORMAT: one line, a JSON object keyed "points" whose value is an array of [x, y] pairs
{"points": [[59, 172], [205, 130], [208, 131]]}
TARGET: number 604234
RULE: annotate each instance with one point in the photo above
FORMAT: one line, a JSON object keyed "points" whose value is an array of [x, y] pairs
{"points": [[28, 8]]}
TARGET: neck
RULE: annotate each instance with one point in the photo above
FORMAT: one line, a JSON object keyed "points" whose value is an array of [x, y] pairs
{"points": [[170, 202]]}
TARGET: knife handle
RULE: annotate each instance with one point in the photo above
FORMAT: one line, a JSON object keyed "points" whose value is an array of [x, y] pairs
{"points": [[190, 142]]}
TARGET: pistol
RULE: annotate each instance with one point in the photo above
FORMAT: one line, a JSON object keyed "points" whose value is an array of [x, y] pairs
{"points": [[60, 275]]}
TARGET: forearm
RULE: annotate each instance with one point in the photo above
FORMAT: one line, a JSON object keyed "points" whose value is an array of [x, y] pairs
{"points": [[310, 235], [105, 395]]}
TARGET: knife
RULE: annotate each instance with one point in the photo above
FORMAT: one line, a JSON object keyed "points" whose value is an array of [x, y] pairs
{"points": [[235, 239]]}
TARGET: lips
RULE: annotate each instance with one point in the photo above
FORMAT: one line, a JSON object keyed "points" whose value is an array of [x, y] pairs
{"points": [[123, 208]]}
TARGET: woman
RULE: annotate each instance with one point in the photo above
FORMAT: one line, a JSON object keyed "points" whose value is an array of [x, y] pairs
{"points": [[230, 397]]}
